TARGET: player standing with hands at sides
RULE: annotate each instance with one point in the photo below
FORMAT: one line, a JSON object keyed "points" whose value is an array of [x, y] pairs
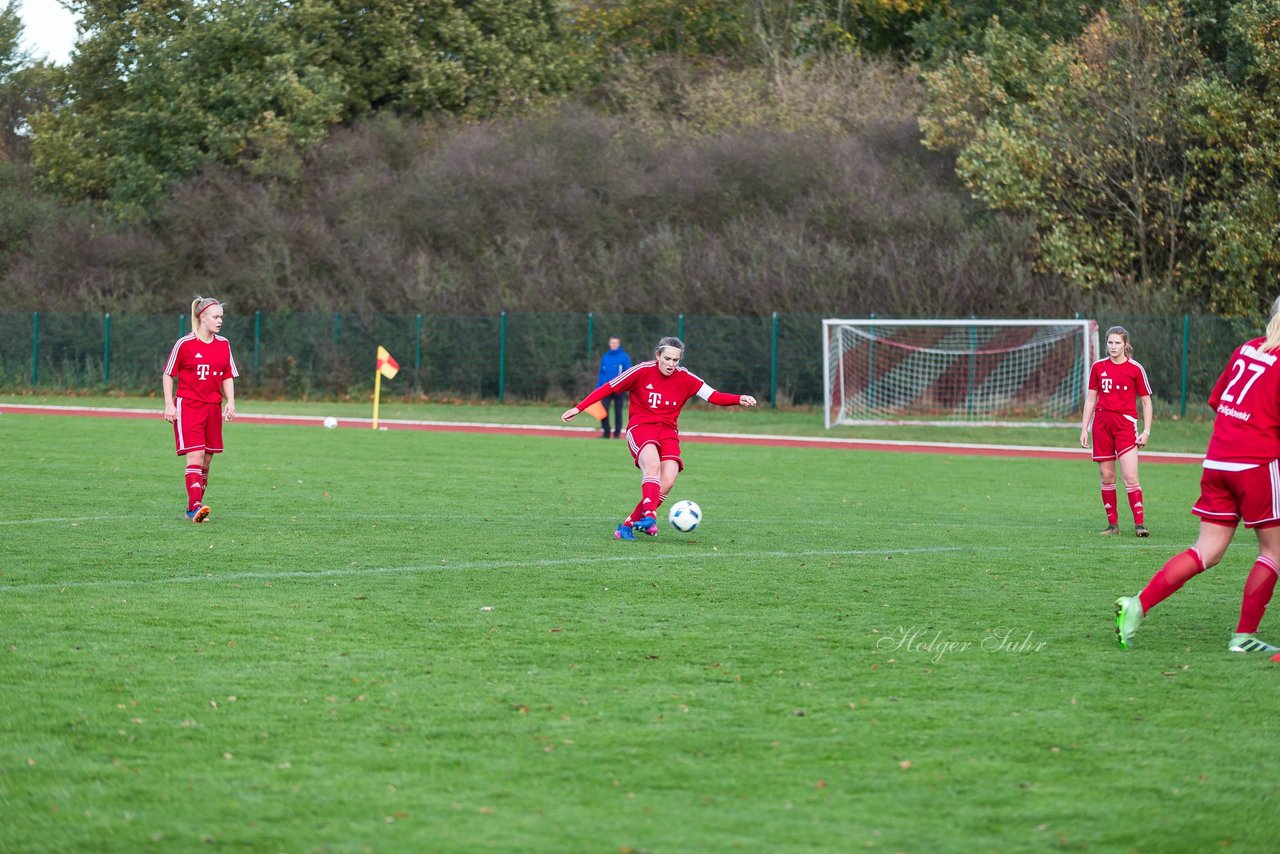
{"points": [[659, 390], [613, 363], [1240, 481], [1116, 383], [205, 396]]}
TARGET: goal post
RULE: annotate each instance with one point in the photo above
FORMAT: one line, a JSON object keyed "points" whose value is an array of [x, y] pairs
{"points": [[969, 372]]}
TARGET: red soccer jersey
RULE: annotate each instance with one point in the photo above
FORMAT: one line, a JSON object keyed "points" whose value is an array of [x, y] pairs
{"points": [[201, 368], [657, 399], [1247, 400], [1118, 386]]}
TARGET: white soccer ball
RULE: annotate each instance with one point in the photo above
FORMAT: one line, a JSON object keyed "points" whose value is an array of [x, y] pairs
{"points": [[685, 515], [331, 422]]}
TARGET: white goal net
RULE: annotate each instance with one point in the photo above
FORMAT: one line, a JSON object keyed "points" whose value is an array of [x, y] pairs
{"points": [[956, 371]]}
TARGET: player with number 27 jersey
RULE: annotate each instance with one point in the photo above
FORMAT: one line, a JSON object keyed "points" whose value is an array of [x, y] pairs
{"points": [[1240, 483], [1246, 398]]}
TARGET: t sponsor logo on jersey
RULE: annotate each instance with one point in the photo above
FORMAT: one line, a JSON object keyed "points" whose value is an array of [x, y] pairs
{"points": [[202, 371]]}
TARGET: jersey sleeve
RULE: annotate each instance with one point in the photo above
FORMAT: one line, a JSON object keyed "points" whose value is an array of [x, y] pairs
{"points": [[1094, 384], [231, 363], [1143, 384], [720, 398], [172, 365], [600, 393]]}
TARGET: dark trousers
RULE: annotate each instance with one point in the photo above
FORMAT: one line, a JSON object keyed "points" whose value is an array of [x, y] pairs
{"points": [[617, 401]]}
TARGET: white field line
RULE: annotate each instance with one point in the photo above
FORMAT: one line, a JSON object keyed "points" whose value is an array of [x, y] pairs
{"points": [[834, 442], [647, 558]]}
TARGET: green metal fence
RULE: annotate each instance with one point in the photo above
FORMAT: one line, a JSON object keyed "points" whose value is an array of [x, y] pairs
{"points": [[526, 356]]}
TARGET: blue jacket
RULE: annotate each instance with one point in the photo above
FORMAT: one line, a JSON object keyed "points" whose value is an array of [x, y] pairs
{"points": [[612, 364]]}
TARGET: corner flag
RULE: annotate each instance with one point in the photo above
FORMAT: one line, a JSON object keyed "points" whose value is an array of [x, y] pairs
{"points": [[387, 367], [597, 411]]}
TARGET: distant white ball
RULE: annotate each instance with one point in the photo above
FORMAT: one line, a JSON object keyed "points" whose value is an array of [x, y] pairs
{"points": [[331, 422], [685, 515]]}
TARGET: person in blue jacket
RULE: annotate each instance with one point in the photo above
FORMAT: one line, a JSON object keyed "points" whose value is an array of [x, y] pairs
{"points": [[614, 362]]}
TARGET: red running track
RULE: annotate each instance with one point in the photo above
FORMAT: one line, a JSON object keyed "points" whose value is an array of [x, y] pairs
{"points": [[951, 448]]}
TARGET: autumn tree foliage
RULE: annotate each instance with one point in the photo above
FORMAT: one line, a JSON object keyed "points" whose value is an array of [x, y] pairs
{"points": [[1147, 168], [158, 89]]}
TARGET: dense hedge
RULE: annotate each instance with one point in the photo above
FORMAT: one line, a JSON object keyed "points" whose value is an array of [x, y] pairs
{"points": [[734, 195]]}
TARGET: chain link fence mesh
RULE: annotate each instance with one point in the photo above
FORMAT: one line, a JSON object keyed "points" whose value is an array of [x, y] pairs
{"points": [[549, 357]]}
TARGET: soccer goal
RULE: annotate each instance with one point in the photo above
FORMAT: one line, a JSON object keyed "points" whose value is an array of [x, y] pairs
{"points": [[956, 371]]}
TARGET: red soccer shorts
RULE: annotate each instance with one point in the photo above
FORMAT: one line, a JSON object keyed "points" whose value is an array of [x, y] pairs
{"points": [[1252, 495], [667, 440], [1114, 435], [198, 427]]}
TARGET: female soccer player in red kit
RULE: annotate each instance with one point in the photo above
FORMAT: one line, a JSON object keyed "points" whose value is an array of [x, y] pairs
{"points": [[659, 390], [1240, 481], [205, 397], [1116, 383]]}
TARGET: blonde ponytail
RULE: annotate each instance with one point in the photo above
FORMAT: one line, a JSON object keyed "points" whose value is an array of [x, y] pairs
{"points": [[198, 305], [1273, 328]]}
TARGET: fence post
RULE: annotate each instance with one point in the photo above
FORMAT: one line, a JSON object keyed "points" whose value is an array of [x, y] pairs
{"points": [[417, 356], [1186, 338], [680, 333], [182, 325], [337, 330], [502, 358], [591, 329], [106, 348], [773, 366], [257, 348], [35, 348]]}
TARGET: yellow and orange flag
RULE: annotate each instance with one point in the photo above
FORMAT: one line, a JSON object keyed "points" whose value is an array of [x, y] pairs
{"points": [[597, 411], [387, 366]]}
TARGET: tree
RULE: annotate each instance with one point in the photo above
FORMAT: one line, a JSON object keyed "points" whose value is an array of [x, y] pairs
{"points": [[1146, 157], [1235, 114], [1090, 138], [159, 88], [951, 28]]}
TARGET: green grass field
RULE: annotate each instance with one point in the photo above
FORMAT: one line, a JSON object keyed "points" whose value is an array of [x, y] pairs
{"points": [[406, 641]]}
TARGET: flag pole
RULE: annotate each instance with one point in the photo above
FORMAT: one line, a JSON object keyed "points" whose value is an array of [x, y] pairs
{"points": [[377, 395]]}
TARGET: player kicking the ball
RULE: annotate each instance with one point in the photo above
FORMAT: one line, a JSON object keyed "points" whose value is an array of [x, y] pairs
{"points": [[659, 389], [1240, 482]]}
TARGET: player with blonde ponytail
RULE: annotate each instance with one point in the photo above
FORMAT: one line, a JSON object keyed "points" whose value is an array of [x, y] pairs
{"points": [[1117, 385], [1240, 482], [205, 397]]}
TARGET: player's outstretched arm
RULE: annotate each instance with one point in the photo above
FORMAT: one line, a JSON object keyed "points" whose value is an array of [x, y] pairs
{"points": [[720, 398]]}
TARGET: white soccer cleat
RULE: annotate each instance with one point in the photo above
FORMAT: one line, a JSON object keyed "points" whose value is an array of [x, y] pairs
{"points": [[1248, 643], [1128, 618]]}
